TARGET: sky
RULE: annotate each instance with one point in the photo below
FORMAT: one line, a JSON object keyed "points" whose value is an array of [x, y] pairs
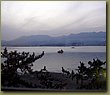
{"points": [[53, 18]]}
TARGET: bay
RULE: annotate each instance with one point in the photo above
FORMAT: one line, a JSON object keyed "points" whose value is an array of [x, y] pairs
{"points": [[70, 59]]}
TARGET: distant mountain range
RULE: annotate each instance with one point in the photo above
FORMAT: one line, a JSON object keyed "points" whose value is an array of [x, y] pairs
{"points": [[81, 39]]}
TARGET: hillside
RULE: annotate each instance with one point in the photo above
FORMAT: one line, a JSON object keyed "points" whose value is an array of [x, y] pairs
{"points": [[81, 39]]}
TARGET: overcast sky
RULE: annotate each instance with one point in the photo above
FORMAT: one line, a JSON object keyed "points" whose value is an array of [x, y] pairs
{"points": [[54, 18]]}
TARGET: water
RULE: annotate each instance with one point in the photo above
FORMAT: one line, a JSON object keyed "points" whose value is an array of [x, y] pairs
{"points": [[70, 59]]}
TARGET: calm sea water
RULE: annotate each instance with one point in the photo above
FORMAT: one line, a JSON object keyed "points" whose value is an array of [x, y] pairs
{"points": [[70, 59]]}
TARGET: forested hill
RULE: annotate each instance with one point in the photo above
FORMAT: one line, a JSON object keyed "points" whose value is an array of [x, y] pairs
{"points": [[81, 39]]}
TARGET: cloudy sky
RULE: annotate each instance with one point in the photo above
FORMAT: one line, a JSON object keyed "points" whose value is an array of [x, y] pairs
{"points": [[54, 18]]}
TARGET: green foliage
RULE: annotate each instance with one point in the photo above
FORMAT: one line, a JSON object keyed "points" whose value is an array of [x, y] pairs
{"points": [[95, 74]]}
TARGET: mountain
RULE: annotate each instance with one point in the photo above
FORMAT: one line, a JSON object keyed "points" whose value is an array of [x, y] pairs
{"points": [[81, 39]]}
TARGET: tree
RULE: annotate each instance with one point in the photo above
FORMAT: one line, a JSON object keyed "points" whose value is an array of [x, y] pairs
{"points": [[94, 72], [81, 72], [13, 61]]}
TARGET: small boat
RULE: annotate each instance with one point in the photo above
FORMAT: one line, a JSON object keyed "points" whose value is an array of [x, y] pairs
{"points": [[60, 51], [72, 47]]}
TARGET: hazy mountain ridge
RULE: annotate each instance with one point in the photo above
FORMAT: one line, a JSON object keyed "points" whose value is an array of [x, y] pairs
{"points": [[81, 39]]}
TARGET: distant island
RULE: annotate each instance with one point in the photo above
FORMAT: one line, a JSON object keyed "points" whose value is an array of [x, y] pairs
{"points": [[81, 39]]}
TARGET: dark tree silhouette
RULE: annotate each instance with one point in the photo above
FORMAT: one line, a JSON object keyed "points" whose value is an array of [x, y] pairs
{"points": [[81, 72], [14, 61], [93, 73]]}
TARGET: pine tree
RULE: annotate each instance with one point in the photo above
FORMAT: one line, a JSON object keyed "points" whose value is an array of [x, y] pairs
{"points": [[13, 61]]}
